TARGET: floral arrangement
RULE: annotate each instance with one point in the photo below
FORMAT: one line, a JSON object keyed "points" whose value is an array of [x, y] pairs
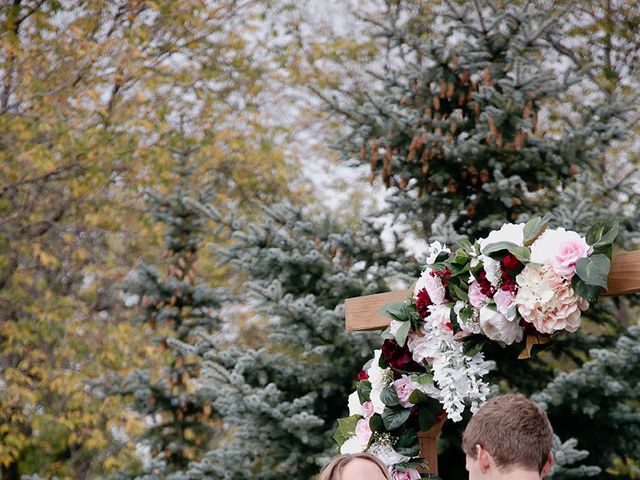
{"points": [[518, 286]]}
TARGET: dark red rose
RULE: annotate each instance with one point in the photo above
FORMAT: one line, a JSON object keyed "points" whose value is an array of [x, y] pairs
{"points": [[423, 302], [508, 283], [485, 286], [362, 375], [444, 273], [510, 263], [398, 357]]}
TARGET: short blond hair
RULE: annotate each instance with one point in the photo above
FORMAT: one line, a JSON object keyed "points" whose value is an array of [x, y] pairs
{"points": [[513, 429], [333, 469]]}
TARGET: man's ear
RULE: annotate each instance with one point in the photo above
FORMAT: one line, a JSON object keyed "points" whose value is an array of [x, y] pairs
{"points": [[485, 461], [547, 466]]}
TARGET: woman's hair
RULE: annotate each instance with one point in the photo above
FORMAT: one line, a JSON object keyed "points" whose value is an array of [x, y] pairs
{"points": [[333, 469]]}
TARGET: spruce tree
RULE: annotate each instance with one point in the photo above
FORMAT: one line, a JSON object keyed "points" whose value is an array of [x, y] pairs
{"points": [[175, 305], [281, 391]]}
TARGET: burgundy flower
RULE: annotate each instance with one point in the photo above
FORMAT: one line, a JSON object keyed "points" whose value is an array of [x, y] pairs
{"points": [[444, 273], [423, 302], [398, 357], [508, 283], [485, 286], [362, 375], [510, 263]]}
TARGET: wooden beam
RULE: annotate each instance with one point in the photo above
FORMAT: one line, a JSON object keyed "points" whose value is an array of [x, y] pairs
{"points": [[364, 313]]}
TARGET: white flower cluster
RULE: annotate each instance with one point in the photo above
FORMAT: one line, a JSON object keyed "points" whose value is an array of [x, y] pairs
{"points": [[457, 376]]}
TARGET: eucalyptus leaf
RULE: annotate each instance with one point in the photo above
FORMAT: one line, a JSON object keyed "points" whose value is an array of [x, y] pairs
{"points": [[521, 253], [534, 228], [397, 311], [594, 270], [401, 334], [589, 292]]}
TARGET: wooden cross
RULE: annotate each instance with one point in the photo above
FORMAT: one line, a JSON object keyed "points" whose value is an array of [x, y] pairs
{"points": [[365, 313]]}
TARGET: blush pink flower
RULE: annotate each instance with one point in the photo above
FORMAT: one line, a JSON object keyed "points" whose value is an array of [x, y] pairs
{"points": [[368, 410], [504, 301], [363, 431], [476, 297], [404, 389], [567, 256], [408, 474], [547, 300]]}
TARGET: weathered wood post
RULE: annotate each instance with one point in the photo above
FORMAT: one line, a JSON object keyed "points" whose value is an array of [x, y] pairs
{"points": [[365, 313]]}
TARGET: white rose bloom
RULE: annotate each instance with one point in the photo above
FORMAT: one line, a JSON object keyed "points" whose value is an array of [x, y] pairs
{"points": [[378, 404], [492, 269], [543, 250], [509, 232], [353, 445], [355, 407], [420, 348], [439, 315], [375, 373], [497, 327]]}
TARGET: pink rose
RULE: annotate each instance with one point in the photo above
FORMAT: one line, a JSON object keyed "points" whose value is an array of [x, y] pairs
{"points": [[567, 255], [404, 389], [368, 409], [363, 431], [408, 474], [504, 301], [476, 297]]}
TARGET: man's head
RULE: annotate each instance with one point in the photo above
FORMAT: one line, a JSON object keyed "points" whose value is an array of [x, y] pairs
{"points": [[508, 433]]}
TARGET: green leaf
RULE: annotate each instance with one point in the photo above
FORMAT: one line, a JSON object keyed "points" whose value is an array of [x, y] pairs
{"points": [[589, 292], [521, 253], [389, 396], [418, 396], [423, 379], [407, 443], [364, 391], [609, 236], [376, 424], [594, 233], [594, 270], [428, 412], [346, 428], [461, 257], [458, 292], [534, 228], [465, 245], [403, 331], [394, 417], [473, 345], [397, 311]]}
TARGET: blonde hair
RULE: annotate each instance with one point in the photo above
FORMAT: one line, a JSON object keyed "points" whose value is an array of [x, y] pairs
{"points": [[513, 429], [333, 469]]}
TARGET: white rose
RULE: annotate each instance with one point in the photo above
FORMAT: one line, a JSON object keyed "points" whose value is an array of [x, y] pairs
{"points": [[544, 249], [353, 445], [509, 232], [420, 348], [355, 407], [378, 404], [498, 327]]}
